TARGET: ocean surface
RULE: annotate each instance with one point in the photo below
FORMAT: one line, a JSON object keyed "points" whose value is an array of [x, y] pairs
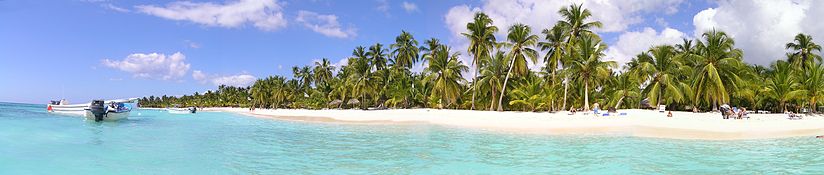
{"points": [[33, 141]]}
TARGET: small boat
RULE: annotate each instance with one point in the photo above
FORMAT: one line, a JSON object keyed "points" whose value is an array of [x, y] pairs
{"points": [[189, 110], [97, 110]]}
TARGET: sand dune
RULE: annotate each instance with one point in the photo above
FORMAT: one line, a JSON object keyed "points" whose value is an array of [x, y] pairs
{"points": [[641, 123]]}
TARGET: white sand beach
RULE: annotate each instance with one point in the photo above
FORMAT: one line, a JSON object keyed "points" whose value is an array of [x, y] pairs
{"points": [[640, 123]]}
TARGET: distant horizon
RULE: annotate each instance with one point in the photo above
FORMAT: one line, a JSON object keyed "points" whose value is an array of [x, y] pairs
{"points": [[83, 50]]}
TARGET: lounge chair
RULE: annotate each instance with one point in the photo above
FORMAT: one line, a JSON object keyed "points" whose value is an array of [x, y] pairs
{"points": [[793, 116], [662, 108]]}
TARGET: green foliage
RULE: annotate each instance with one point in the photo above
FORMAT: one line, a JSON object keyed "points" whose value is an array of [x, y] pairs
{"points": [[694, 74]]}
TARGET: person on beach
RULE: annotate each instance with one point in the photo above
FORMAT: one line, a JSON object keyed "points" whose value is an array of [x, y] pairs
{"points": [[572, 110], [669, 114], [725, 110], [742, 113]]}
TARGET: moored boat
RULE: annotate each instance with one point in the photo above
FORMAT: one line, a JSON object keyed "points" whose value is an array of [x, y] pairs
{"points": [[97, 110], [189, 110]]}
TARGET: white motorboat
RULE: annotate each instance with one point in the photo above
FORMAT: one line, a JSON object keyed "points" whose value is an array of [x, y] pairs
{"points": [[189, 110], [97, 110]]}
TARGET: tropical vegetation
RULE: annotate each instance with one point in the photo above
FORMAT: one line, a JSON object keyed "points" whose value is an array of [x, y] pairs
{"points": [[561, 67]]}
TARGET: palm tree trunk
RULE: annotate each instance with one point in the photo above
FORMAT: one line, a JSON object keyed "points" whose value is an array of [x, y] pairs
{"points": [[566, 87], [474, 80], [619, 101], [491, 103], [586, 95], [783, 106], [813, 105], [503, 90]]}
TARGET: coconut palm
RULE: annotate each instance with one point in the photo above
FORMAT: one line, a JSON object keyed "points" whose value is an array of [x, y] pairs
{"points": [[445, 75], [782, 84], [481, 42], [529, 93], [811, 84], [521, 40], [587, 65], [804, 46], [625, 87], [406, 55], [363, 80], [405, 50], [554, 45], [574, 22], [717, 68], [492, 76], [377, 56], [660, 68], [323, 72]]}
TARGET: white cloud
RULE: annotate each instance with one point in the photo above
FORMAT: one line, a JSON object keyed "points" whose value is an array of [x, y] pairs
{"points": [[115, 8], [762, 28], [266, 15], [383, 6], [409, 7], [198, 75], [241, 80], [192, 44], [152, 65], [327, 25], [616, 15], [539, 14], [632, 43]]}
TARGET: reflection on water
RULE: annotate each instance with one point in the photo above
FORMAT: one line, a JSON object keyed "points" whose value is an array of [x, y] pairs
{"points": [[155, 142]]}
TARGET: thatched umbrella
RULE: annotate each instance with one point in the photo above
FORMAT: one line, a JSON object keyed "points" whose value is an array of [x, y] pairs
{"points": [[353, 102], [335, 102]]}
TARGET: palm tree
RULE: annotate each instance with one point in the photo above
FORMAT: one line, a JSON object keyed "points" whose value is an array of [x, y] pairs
{"points": [[521, 40], [804, 47], [406, 52], [717, 67], [587, 66], [782, 84], [492, 75], [554, 45], [362, 78], [323, 72], [482, 40], [625, 87], [812, 84], [445, 74], [306, 77], [662, 70], [575, 24], [377, 56], [529, 93]]}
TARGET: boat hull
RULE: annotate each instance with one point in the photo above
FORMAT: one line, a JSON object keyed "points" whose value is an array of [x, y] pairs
{"points": [[110, 116]]}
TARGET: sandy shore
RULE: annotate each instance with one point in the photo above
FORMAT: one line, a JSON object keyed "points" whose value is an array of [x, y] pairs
{"points": [[640, 123]]}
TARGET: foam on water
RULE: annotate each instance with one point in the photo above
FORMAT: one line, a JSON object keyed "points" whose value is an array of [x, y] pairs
{"points": [[156, 142]]}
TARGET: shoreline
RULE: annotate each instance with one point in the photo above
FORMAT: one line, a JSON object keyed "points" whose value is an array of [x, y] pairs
{"points": [[637, 122]]}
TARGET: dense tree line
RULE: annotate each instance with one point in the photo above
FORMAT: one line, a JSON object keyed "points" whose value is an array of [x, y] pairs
{"points": [[696, 75]]}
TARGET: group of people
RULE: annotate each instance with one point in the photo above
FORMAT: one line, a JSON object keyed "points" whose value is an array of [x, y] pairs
{"points": [[595, 109], [727, 112]]}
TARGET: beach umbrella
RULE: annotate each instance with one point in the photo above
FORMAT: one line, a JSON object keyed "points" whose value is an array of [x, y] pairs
{"points": [[335, 102]]}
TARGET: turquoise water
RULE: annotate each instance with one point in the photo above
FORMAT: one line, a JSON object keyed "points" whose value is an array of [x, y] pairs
{"points": [[155, 142]]}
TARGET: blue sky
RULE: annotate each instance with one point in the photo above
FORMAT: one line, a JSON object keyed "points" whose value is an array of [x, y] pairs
{"points": [[86, 49]]}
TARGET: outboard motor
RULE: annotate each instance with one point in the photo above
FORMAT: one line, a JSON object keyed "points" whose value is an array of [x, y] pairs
{"points": [[98, 108]]}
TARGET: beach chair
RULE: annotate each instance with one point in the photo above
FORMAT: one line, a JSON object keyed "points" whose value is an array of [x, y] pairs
{"points": [[662, 108]]}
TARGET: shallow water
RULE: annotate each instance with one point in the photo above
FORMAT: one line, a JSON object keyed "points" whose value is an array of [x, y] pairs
{"points": [[155, 142]]}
